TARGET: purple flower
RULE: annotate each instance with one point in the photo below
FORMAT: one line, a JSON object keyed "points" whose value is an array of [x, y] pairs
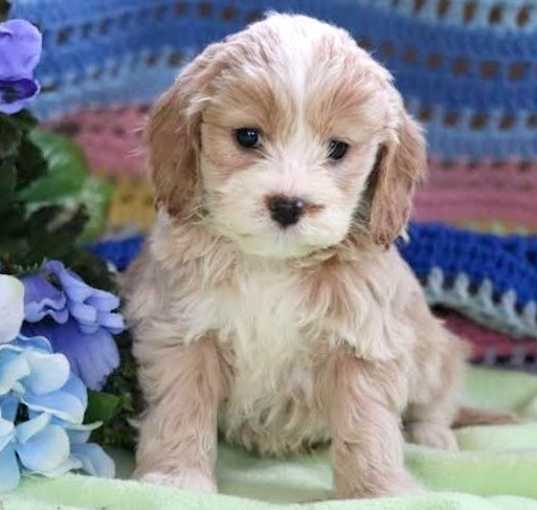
{"points": [[92, 357], [78, 320], [20, 50], [59, 293]]}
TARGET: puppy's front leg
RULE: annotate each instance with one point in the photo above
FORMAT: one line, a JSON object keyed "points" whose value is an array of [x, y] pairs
{"points": [[362, 400], [178, 434]]}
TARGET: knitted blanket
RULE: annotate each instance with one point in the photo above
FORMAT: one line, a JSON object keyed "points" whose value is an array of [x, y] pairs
{"points": [[470, 84], [495, 470], [491, 279]]}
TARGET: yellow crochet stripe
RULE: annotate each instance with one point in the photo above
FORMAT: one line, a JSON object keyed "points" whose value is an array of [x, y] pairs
{"points": [[131, 205], [498, 227]]}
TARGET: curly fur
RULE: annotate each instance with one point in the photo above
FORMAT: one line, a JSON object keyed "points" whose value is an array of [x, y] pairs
{"points": [[286, 338]]}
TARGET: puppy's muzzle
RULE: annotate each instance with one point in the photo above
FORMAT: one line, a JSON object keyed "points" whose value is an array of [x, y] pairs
{"points": [[285, 210]]}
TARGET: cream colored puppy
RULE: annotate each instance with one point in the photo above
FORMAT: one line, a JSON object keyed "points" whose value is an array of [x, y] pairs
{"points": [[269, 302]]}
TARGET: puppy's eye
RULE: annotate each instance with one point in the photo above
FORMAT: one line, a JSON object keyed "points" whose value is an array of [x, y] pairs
{"points": [[337, 149], [248, 138]]}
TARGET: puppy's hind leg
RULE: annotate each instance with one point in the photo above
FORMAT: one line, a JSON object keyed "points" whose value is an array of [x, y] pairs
{"points": [[430, 425], [433, 403]]}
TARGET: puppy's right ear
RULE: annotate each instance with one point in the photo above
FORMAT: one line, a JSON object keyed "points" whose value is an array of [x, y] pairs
{"points": [[172, 136]]}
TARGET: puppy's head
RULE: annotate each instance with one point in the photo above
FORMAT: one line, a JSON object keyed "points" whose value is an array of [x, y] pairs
{"points": [[285, 138]]}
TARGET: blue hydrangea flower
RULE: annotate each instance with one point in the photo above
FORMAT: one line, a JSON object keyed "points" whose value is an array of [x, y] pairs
{"points": [[42, 404], [78, 320], [11, 307], [20, 51]]}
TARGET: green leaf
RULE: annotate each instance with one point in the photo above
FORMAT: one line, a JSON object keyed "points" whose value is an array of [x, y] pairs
{"points": [[71, 227], [40, 221], [8, 181], [4, 9], [67, 169], [24, 120], [95, 195], [12, 219], [69, 183], [10, 137], [101, 407], [50, 231], [31, 164], [59, 229]]}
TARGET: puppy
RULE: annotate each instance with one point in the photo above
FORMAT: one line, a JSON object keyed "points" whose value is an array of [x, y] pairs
{"points": [[269, 302]]}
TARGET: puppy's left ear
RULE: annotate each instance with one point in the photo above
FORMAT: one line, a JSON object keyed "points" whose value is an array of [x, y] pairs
{"points": [[401, 164]]}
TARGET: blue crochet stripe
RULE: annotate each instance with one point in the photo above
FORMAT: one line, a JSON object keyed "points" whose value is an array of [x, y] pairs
{"points": [[490, 278], [491, 141], [514, 14], [121, 28], [119, 252]]}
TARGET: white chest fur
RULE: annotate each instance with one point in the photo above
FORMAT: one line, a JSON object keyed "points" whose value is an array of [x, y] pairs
{"points": [[270, 403], [260, 318]]}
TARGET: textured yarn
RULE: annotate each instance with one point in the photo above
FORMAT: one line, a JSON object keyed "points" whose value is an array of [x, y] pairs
{"points": [[491, 279], [490, 347], [111, 137], [499, 197], [466, 69]]}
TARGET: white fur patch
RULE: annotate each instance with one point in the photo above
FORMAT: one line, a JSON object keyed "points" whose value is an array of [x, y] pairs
{"points": [[261, 319]]}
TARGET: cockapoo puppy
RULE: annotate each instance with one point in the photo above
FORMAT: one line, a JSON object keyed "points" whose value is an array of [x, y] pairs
{"points": [[269, 302]]}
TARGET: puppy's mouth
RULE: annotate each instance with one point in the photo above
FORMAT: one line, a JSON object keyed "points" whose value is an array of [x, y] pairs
{"points": [[265, 236], [288, 242]]}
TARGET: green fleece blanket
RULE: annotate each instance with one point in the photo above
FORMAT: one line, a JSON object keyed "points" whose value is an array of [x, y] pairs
{"points": [[495, 469]]}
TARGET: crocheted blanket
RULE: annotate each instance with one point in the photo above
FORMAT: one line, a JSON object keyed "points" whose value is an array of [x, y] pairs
{"points": [[489, 278]]}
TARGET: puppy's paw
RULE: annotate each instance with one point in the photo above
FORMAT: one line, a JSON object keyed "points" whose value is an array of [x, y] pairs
{"points": [[402, 485], [189, 479], [432, 435], [393, 485]]}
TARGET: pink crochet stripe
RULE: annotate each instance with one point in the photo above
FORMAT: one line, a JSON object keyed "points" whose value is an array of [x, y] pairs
{"points": [[480, 192], [111, 138], [487, 344], [510, 176], [477, 205]]}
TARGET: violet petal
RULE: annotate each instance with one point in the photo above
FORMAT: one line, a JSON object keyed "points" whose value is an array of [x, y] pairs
{"points": [[20, 49], [92, 357], [42, 299]]}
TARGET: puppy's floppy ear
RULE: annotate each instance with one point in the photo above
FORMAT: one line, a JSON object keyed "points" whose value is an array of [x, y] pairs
{"points": [[401, 163], [172, 136]]}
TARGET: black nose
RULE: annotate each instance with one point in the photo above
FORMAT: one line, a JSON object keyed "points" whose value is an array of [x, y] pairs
{"points": [[285, 210]]}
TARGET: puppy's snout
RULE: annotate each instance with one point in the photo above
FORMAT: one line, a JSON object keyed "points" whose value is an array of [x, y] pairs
{"points": [[285, 210]]}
